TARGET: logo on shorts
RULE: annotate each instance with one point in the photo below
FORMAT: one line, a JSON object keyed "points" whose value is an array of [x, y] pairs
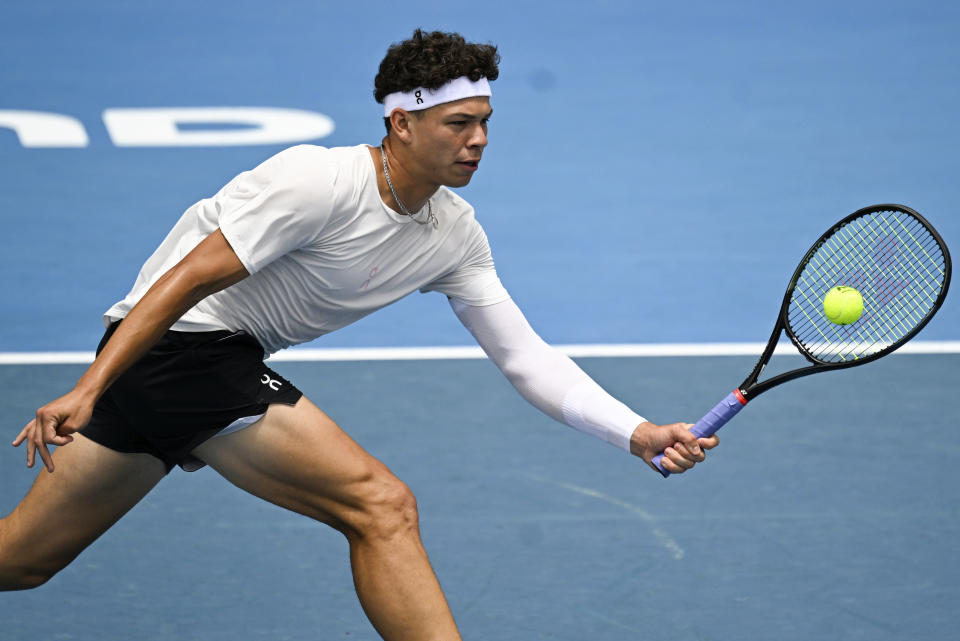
{"points": [[271, 382]]}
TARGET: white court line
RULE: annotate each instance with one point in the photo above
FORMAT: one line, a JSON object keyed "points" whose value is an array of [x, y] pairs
{"points": [[448, 353], [662, 536]]}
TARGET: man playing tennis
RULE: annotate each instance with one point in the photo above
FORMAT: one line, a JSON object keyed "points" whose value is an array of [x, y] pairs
{"points": [[305, 243]]}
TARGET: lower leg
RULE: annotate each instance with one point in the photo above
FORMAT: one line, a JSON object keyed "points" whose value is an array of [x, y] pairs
{"points": [[399, 590]]}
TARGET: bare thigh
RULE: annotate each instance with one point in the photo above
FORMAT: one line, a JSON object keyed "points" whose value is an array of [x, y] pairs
{"points": [[66, 511], [299, 458]]}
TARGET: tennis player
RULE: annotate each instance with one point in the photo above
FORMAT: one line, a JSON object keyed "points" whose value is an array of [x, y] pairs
{"points": [[308, 242]]}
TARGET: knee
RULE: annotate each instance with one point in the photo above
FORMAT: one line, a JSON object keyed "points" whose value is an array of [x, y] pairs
{"points": [[22, 578], [387, 509], [17, 575]]}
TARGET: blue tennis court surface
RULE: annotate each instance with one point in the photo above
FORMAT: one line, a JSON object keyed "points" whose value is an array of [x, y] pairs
{"points": [[835, 519], [654, 175]]}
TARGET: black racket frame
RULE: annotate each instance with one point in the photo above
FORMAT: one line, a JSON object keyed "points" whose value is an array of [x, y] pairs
{"points": [[750, 388]]}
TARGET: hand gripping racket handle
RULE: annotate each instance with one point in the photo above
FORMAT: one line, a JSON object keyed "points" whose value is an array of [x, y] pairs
{"points": [[713, 421]]}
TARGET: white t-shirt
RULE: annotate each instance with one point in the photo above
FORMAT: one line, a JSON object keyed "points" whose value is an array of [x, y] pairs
{"points": [[322, 249]]}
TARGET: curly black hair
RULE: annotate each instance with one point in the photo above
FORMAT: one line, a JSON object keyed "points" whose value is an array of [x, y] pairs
{"points": [[430, 60]]}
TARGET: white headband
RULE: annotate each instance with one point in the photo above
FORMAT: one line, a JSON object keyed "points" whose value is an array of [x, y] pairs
{"points": [[421, 98]]}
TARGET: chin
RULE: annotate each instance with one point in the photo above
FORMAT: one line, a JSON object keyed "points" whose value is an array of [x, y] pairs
{"points": [[458, 181]]}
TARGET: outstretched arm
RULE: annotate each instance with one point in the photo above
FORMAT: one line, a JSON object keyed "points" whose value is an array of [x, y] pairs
{"points": [[210, 267], [553, 383]]}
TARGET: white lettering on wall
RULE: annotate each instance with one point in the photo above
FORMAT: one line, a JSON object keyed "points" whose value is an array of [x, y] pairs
{"points": [[263, 126], [43, 129], [173, 127]]}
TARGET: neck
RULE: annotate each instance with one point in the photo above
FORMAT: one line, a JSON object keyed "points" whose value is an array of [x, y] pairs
{"points": [[412, 192]]}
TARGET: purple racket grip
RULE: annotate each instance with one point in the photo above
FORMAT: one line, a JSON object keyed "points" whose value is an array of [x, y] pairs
{"points": [[709, 424]]}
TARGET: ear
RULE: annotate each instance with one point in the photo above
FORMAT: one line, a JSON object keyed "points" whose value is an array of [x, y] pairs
{"points": [[401, 125]]}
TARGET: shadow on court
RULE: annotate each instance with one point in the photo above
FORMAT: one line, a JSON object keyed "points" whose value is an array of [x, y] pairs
{"points": [[829, 511]]}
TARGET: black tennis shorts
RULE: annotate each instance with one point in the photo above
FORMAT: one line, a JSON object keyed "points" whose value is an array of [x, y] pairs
{"points": [[186, 389]]}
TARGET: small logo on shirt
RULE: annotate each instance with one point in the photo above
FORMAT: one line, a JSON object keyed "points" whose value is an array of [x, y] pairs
{"points": [[271, 382], [366, 283]]}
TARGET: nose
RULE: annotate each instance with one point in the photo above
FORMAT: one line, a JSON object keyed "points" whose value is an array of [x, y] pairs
{"points": [[478, 137]]}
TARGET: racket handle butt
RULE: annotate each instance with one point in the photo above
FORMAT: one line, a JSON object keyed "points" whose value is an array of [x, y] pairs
{"points": [[710, 423]]}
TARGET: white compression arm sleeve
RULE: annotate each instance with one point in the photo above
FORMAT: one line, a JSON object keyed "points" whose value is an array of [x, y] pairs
{"points": [[544, 376]]}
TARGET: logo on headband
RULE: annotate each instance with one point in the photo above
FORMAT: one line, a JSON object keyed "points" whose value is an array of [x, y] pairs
{"points": [[422, 98]]}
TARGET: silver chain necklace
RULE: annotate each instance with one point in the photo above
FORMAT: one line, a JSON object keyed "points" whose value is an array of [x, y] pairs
{"points": [[403, 208]]}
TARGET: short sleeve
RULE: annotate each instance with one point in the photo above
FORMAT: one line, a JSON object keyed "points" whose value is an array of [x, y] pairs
{"points": [[474, 282], [278, 207]]}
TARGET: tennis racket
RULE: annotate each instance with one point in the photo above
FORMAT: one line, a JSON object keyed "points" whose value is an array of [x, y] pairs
{"points": [[901, 267]]}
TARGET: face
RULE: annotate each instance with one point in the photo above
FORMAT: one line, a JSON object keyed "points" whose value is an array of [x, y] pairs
{"points": [[447, 141]]}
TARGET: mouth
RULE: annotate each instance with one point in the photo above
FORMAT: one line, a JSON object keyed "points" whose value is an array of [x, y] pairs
{"points": [[471, 165]]}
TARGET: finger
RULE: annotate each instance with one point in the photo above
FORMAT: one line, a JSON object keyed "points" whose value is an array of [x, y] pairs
{"points": [[71, 424], [35, 443], [710, 442], [681, 461], [688, 443], [22, 436], [56, 432], [46, 456], [48, 427], [669, 464], [48, 435], [31, 450], [688, 453]]}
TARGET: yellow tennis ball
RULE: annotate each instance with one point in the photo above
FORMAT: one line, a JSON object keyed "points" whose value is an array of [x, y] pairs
{"points": [[843, 305]]}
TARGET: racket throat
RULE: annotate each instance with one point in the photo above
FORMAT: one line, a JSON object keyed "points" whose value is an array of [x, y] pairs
{"points": [[740, 396]]}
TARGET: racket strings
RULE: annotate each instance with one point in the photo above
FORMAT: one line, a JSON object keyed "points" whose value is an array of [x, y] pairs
{"points": [[868, 254], [895, 263], [882, 275], [884, 289]]}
